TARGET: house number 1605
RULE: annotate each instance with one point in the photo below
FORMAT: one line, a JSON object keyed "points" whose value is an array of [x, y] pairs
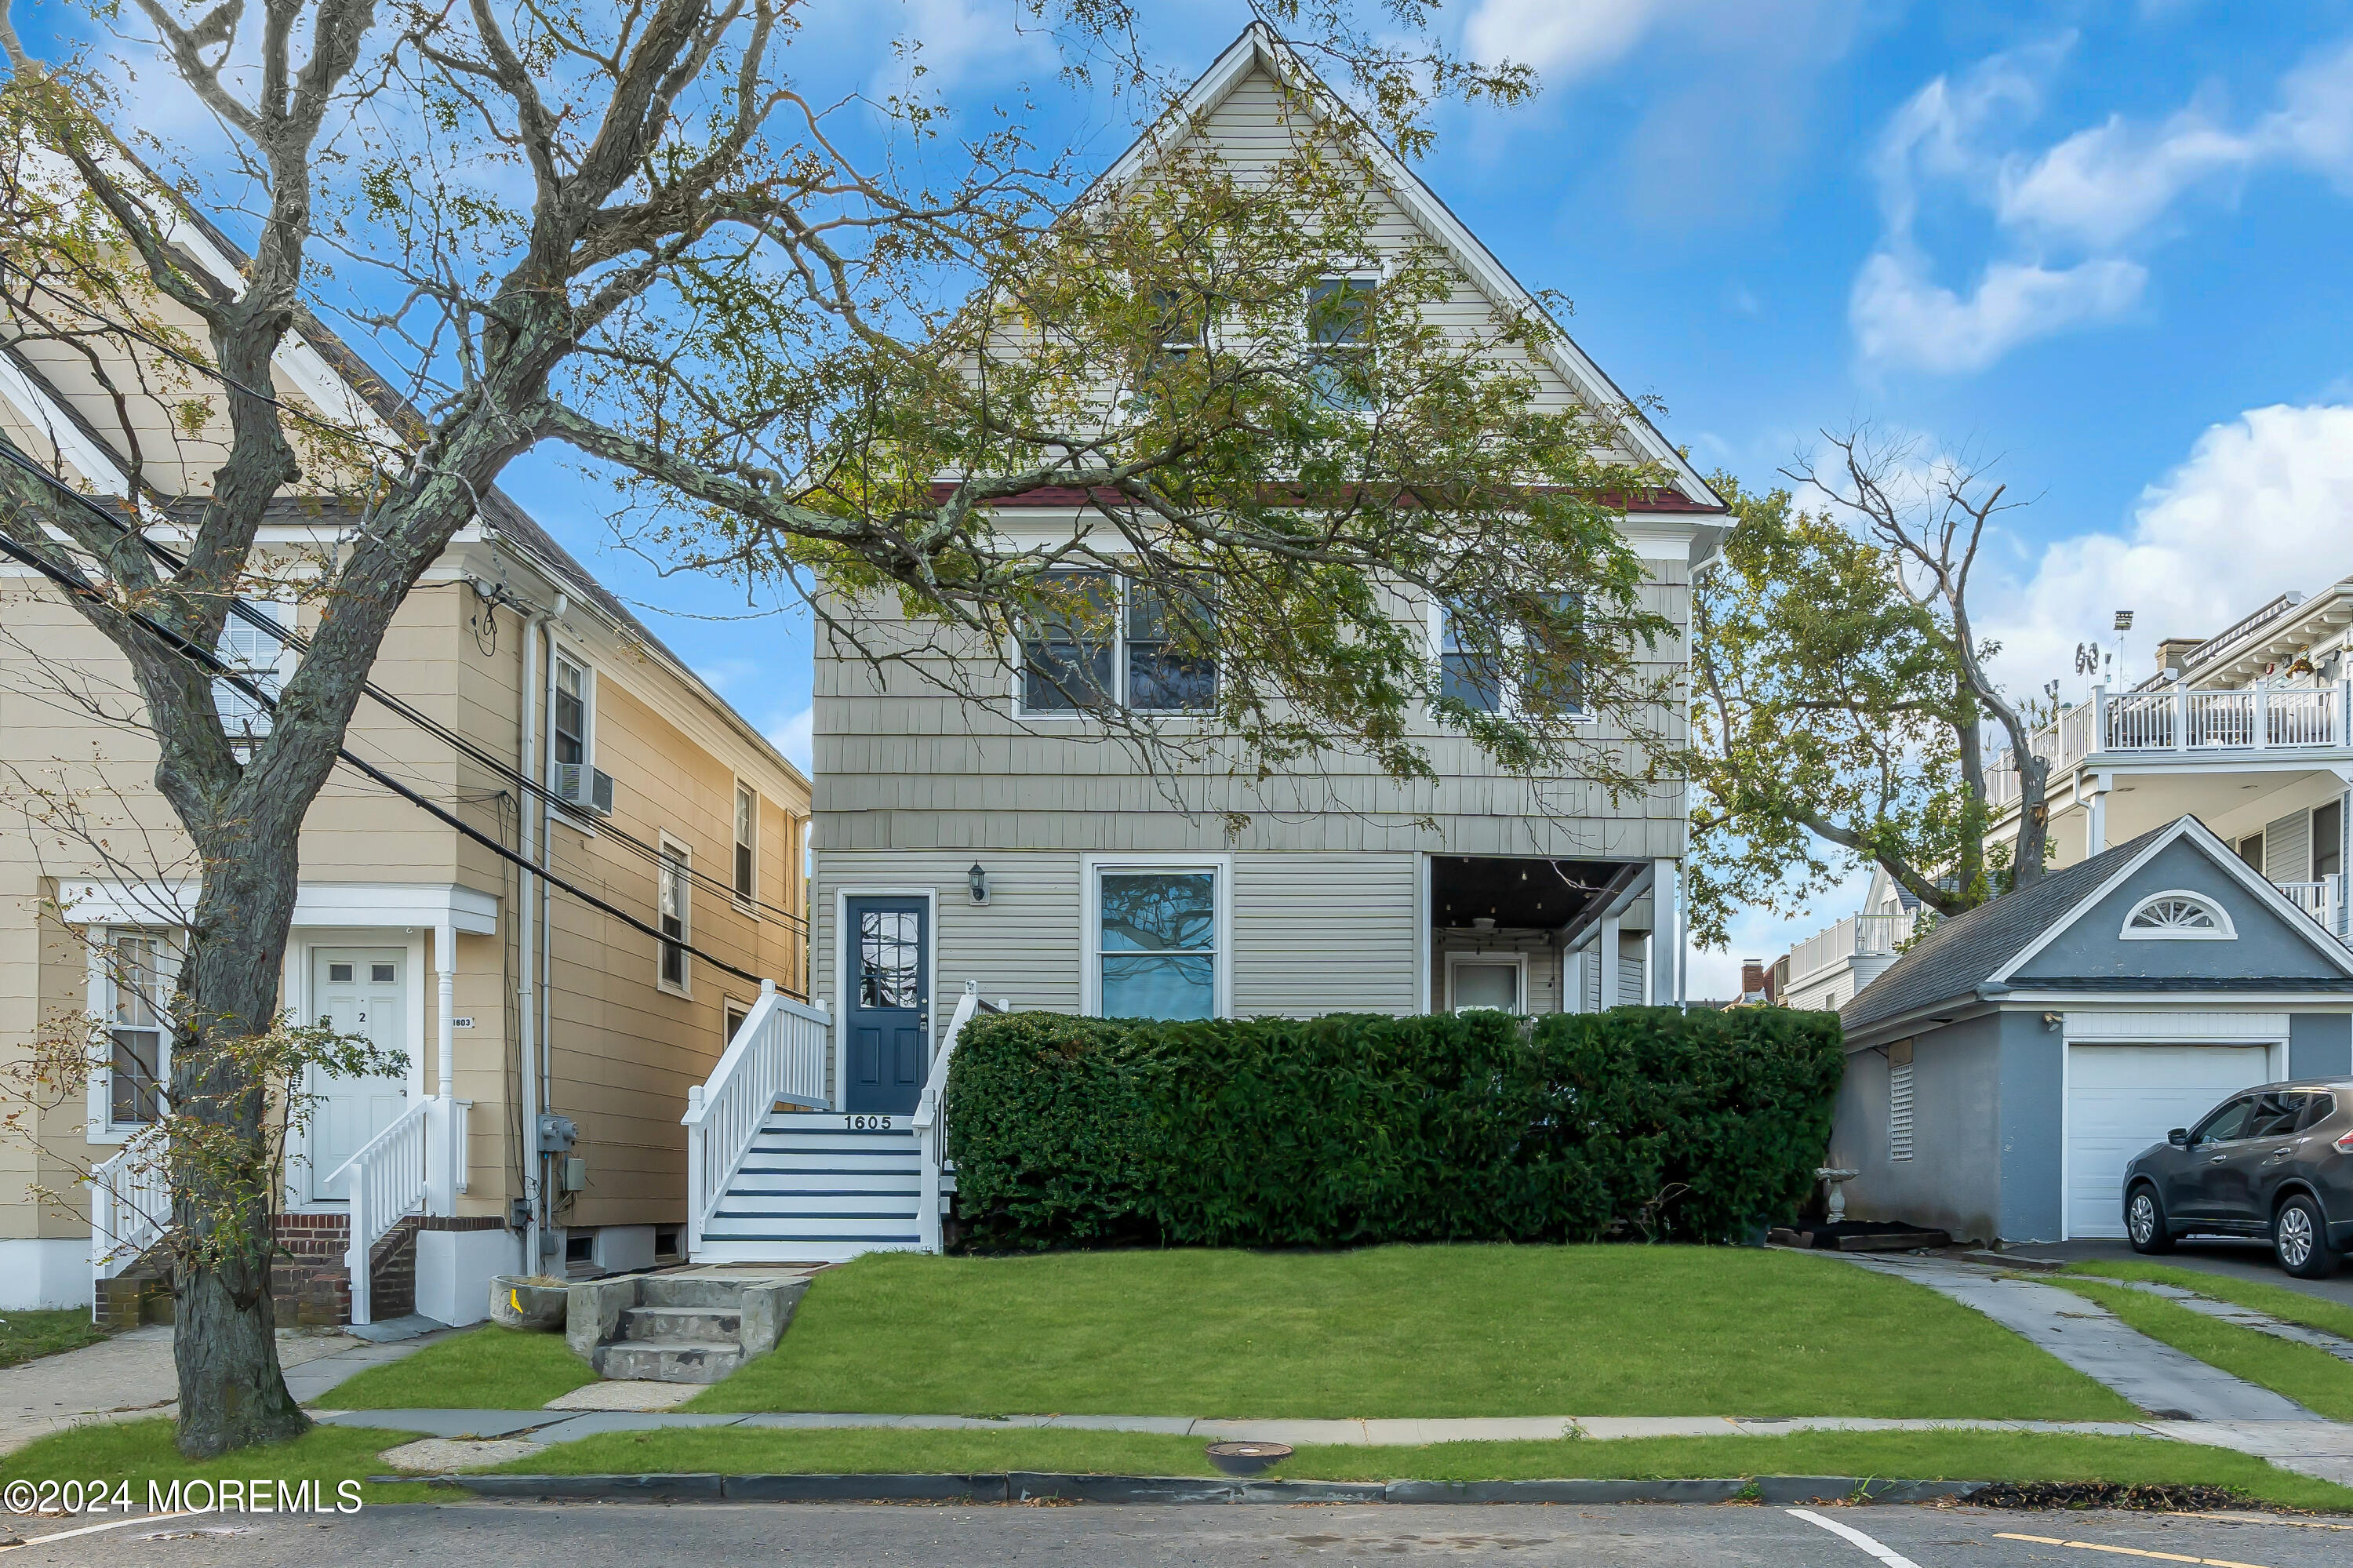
{"points": [[870, 1124]]}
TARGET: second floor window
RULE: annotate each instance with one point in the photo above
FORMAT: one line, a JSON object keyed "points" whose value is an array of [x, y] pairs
{"points": [[747, 823], [1339, 336], [255, 654], [1517, 671], [1116, 641], [569, 720], [676, 912]]}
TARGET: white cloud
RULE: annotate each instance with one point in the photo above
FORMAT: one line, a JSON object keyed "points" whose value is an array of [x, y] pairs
{"points": [[2069, 215], [2257, 508], [1901, 315], [795, 735], [1563, 40], [956, 41]]}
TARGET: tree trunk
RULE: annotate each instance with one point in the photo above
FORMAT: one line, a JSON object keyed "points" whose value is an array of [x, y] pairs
{"points": [[224, 1200], [2033, 822]]}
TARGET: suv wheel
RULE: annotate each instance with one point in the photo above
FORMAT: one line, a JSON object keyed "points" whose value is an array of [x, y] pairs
{"points": [[2145, 1224], [2300, 1240]]}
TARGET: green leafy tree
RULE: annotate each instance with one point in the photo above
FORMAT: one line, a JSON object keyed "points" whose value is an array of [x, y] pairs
{"points": [[812, 339], [1841, 699]]}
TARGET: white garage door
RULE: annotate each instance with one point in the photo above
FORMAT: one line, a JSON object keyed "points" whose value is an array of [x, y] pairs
{"points": [[2122, 1099]]}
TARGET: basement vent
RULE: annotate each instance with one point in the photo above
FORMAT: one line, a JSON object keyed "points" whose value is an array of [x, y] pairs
{"points": [[1899, 1112]]}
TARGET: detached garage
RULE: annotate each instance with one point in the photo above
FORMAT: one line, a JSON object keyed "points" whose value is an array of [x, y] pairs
{"points": [[2001, 1073]]}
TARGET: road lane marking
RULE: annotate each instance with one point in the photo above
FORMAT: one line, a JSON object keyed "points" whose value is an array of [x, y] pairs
{"points": [[1887, 1554], [90, 1530], [2125, 1550]]}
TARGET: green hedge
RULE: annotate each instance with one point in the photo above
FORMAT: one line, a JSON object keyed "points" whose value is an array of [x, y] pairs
{"points": [[1359, 1128]]}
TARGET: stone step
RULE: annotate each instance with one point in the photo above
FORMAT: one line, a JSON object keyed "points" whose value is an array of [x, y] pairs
{"points": [[689, 1290], [669, 1360], [681, 1325]]}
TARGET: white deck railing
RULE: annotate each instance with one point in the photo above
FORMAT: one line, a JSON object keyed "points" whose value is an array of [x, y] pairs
{"points": [[2317, 899], [1856, 936], [932, 1122], [2260, 720], [383, 1184], [779, 1052], [130, 1204]]}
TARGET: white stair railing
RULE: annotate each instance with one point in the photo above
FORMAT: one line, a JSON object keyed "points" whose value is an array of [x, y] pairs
{"points": [[932, 1122], [384, 1184], [779, 1052], [130, 1204]]}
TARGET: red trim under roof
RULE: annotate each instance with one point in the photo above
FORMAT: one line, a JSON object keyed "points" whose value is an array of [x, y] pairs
{"points": [[1066, 495]]}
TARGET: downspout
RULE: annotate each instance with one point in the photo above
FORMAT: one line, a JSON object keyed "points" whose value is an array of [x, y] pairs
{"points": [[545, 1215], [531, 821]]}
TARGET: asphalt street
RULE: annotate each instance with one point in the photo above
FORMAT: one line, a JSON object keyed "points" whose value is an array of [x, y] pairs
{"points": [[852, 1536]]}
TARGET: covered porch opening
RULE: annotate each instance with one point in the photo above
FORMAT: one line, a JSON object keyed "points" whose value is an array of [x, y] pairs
{"points": [[1528, 934]]}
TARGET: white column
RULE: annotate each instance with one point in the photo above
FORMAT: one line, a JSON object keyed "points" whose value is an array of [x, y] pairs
{"points": [[2095, 826], [1666, 930], [1606, 950], [442, 1154]]}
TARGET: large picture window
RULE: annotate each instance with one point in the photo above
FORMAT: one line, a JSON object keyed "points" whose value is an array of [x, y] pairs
{"points": [[1156, 942], [1116, 641], [134, 1020]]}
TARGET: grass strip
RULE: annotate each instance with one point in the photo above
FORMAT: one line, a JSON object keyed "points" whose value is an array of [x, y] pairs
{"points": [[2312, 1378], [2276, 1301], [1397, 1331], [142, 1451], [1908, 1455], [489, 1368], [24, 1335]]}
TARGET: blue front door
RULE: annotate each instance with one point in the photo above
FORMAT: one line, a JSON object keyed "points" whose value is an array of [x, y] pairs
{"points": [[888, 1020]]}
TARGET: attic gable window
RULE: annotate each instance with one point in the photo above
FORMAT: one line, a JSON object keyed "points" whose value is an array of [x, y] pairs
{"points": [[1339, 336], [2178, 917]]}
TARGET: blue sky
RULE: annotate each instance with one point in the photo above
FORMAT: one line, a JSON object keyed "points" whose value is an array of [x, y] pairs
{"points": [[2101, 245]]}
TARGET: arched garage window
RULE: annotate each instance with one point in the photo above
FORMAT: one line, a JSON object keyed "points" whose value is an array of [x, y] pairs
{"points": [[2178, 917]]}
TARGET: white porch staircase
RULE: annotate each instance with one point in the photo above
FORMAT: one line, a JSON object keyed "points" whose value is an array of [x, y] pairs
{"points": [[777, 1175], [818, 1188]]}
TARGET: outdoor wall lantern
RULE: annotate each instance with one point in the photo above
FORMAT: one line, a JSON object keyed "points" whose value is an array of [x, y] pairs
{"points": [[978, 880]]}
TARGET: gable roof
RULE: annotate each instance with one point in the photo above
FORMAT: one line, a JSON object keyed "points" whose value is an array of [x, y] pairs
{"points": [[1991, 942], [1260, 48]]}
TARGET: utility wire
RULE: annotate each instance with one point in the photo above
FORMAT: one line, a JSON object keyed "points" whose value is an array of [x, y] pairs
{"points": [[397, 706], [206, 659]]}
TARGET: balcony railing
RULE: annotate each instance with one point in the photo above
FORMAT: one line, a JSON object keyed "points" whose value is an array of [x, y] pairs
{"points": [[2260, 720], [1857, 936], [2322, 900]]}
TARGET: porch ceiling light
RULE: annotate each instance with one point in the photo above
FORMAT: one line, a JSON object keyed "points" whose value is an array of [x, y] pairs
{"points": [[977, 880]]}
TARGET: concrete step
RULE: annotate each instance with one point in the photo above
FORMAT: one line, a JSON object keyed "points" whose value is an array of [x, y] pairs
{"points": [[681, 1325], [789, 1249], [669, 1362], [688, 1290]]}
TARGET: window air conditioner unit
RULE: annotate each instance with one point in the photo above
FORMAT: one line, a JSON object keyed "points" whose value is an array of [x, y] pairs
{"points": [[583, 788]]}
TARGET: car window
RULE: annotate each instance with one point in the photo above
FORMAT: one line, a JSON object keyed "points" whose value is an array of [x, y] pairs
{"points": [[2274, 1116], [2226, 1123], [2317, 1108]]}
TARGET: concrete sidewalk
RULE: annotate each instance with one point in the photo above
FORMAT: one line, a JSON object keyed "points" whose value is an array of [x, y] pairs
{"points": [[130, 1375]]}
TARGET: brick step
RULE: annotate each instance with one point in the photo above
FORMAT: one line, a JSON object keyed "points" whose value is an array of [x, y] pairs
{"points": [[681, 1325]]}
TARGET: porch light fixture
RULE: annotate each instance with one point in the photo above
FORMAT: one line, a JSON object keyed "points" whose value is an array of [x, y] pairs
{"points": [[977, 881]]}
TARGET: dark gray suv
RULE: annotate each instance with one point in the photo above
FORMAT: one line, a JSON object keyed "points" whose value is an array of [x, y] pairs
{"points": [[2273, 1162]]}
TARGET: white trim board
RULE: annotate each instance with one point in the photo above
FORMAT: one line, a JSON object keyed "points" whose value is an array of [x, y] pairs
{"points": [[355, 904], [2152, 1027]]}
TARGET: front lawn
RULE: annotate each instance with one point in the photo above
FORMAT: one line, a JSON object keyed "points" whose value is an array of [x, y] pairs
{"points": [[142, 1451], [1398, 1331], [24, 1335], [489, 1368], [1905, 1456], [2310, 1376]]}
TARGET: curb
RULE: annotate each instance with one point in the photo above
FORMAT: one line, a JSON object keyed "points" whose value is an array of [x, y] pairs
{"points": [[1025, 1486]]}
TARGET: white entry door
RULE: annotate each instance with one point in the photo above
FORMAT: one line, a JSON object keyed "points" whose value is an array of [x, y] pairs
{"points": [[355, 991], [2122, 1099]]}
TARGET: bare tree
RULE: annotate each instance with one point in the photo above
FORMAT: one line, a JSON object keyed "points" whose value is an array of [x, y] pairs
{"points": [[815, 338]]}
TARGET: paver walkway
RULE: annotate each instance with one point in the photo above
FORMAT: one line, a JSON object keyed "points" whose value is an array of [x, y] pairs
{"points": [[129, 1376]]}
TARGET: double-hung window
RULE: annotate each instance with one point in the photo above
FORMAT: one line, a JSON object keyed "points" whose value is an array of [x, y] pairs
{"points": [[568, 720], [257, 656], [676, 908], [137, 1055], [747, 827], [1157, 944], [1520, 669], [1113, 642], [1340, 341]]}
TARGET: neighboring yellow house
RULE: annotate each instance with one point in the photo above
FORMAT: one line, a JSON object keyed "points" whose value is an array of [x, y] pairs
{"points": [[552, 1042]]}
